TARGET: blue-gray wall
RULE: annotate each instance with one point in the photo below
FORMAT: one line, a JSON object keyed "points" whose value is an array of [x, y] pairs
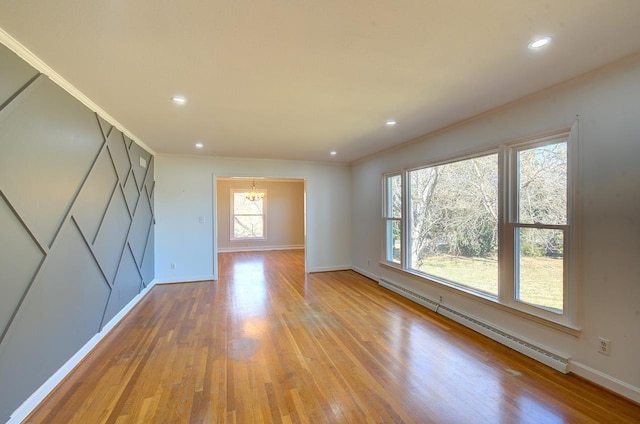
{"points": [[76, 227]]}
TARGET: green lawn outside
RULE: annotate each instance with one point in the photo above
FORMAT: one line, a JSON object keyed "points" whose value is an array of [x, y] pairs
{"points": [[540, 277]]}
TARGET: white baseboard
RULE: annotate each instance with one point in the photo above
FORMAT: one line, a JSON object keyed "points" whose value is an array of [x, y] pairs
{"points": [[258, 248], [48, 386], [367, 274], [606, 381], [556, 360], [329, 268], [187, 279]]}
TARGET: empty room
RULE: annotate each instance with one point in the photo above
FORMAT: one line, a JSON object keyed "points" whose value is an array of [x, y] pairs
{"points": [[320, 212]]}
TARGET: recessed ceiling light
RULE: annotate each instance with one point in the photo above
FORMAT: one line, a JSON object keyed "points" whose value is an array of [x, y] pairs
{"points": [[199, 145], [390, 123], [333, 153], [539, 43], [179, 100]]}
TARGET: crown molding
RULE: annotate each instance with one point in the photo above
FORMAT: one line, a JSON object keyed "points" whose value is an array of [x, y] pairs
{"points": [[33, 60]]}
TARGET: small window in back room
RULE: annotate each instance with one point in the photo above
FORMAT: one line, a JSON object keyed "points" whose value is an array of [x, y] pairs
{"points": [[248, 214]]}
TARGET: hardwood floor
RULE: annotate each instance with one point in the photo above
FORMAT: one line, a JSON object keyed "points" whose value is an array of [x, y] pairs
{"points": [[267, 343]]}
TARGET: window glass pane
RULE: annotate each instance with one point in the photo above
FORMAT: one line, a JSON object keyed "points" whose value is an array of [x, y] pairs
{"points": [[454, 222], [395, 196], [394, 248], [540, 267], [248, 226], [241, 205], [542, 183]]}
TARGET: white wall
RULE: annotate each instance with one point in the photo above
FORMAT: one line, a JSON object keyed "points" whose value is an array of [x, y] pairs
{"points": [[284, 208], [608, 102], [185, 192]]}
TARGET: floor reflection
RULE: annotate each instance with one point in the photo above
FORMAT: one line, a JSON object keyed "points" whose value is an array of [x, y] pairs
{"points": [[249, 292], [248, 270], [351, 341], [533, 411]]}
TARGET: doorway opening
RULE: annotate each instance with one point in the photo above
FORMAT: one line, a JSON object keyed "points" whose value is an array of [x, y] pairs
{"points": [[258, 214]]}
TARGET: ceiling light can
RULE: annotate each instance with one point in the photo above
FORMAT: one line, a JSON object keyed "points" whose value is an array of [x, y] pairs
{"points": [[539, 43], [179, 100]]}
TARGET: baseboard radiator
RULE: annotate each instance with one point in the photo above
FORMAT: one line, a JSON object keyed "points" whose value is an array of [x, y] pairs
{"points": [[546, 356]]}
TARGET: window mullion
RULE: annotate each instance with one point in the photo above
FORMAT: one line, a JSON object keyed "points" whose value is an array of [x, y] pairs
{"points": [[504, 271], [405, 223]]}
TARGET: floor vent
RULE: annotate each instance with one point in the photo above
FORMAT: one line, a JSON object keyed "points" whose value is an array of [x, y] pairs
{"points": [[555, 360]]}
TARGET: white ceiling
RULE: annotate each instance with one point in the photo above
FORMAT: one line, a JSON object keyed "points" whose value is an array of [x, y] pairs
{"points": [[294, 79]]}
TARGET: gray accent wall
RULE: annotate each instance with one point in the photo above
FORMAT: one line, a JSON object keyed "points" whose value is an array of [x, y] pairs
{"points": [[76, 227]]}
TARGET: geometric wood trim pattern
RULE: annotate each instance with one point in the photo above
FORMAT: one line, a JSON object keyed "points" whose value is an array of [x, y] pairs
{"points": [[74, 233]]}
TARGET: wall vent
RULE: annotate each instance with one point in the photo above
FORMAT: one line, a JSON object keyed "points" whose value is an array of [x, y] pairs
{"points": [[555, 360]]}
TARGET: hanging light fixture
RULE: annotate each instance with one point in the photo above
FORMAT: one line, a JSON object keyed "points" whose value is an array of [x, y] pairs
{"points": [[254, 195]]}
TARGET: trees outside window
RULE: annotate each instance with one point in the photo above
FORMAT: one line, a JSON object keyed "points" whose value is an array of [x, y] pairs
{"points": [[496, 224], [247, 216], [454, 222], [540, 227]]}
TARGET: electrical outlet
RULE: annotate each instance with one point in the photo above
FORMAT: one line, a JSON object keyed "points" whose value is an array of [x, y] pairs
{"points": [[172, 266], [368, 262], [604, 346], [441, 299]]}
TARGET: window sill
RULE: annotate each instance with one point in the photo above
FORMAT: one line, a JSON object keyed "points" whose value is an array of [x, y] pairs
{"points": [[486, 300], [245, 239]]}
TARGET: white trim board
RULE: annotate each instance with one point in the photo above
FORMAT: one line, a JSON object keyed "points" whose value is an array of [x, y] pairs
{"points": [[48, 386], [33, 60], [604, 380], [367, 274], [329, 268], [258, 248], [188, 279]]}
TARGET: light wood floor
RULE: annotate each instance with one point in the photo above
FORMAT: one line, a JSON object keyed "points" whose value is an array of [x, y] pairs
{"points": [[267, 343]]}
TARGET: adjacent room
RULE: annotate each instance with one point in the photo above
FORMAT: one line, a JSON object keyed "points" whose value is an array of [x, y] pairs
{"points": [[320, 211], [267, 215]]}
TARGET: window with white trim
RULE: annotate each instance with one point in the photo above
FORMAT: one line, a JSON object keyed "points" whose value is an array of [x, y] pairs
{"points": [[393, 217], [453, 222], [497, 224], [538, 223], [248, 216]]}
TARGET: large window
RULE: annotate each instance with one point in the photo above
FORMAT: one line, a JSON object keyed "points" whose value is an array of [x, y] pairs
{"points": [[497, 224], [248, 216], [453, 214]]}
